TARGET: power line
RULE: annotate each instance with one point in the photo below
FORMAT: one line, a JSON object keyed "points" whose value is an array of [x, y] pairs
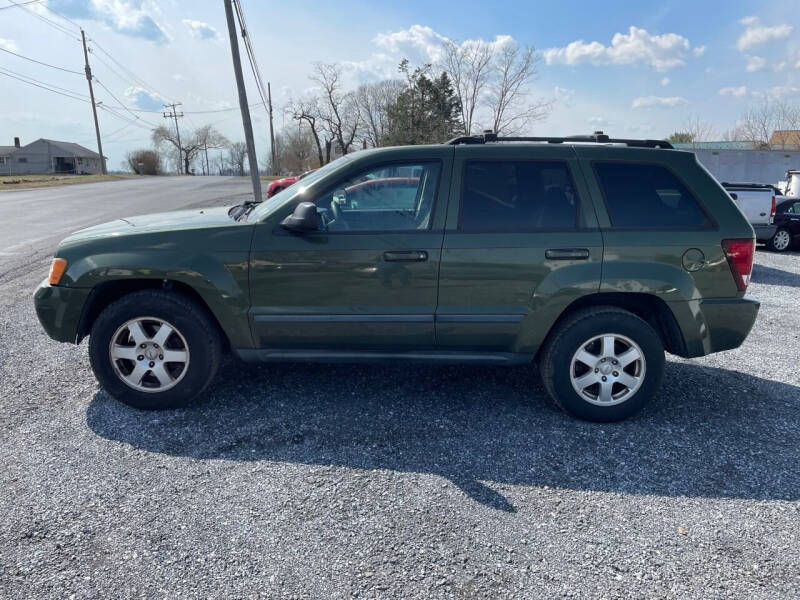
{"points": [[55, 12], [122, 105], [48, 87], [135, 78], [72, 95], [44, 19], [21, 4], [40, 62], [266, 96]]}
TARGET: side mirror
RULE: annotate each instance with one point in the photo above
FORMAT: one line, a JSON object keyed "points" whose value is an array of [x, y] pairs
{"points": [[734, 195], [304, 218]]}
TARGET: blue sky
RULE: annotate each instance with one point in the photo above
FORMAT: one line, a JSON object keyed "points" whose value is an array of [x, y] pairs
{"points": [[631, 68]]}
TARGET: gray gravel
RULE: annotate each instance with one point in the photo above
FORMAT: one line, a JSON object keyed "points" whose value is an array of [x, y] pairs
{"points": [[414, 482]]}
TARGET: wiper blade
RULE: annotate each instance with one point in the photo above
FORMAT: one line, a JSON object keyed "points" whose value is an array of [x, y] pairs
{"points": [[243, 209]]}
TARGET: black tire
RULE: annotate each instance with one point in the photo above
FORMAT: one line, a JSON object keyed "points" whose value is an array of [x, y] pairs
{"points": [[780, 248], [195, 325], [556, 361]]}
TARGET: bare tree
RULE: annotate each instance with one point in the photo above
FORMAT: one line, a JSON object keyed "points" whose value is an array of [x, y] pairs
{"points": [[694, 131], [237, 157], [513, 70], [338, 109], [203, 137], [307, 111], [295, 149], [469, 67], [374, 100], [770, 124]]}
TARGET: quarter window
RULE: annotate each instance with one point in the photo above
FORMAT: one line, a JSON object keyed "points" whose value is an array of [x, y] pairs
{"points": [[396, 197], [645, 196], [517, 196]]}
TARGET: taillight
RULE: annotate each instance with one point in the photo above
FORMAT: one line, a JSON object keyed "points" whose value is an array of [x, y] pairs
{"points": [[772, 211], [739, 254]]}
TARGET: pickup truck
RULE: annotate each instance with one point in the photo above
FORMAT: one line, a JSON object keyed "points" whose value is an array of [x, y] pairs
{"points": [[757, 203]]}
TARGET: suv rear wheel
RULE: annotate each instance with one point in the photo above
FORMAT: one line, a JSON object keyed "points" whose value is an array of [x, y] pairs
{"points": [[603, 364], [154, 349]]}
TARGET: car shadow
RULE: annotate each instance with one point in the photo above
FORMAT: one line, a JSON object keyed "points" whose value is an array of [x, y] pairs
{"points": [[772, 276], [711, 433]]}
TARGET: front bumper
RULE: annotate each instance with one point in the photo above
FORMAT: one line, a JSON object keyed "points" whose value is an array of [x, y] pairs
{"points": [[59, 310], [764, 233], [715, 324]]}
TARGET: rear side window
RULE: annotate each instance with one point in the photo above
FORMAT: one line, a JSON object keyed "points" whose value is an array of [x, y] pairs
{"points": [[645, 196], [517, 196]]}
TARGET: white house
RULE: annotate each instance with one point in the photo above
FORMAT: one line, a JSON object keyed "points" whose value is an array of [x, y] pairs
{"points": [[48, 157]]}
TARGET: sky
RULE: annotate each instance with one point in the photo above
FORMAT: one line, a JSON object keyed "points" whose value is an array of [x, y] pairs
{"points": [[631, 68]]}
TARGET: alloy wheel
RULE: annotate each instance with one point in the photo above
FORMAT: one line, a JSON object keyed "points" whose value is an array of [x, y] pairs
{"points": [[607, 369], [149, 354]]}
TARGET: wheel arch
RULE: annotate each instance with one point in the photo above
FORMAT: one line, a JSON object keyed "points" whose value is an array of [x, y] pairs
{"points": [[648, 307], [103, 294]]}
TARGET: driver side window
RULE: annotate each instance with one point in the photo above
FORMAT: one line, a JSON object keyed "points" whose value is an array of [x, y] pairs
{"points": [[393, 197]]}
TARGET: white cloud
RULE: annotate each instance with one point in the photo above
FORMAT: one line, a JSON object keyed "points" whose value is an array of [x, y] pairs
{"points": [[200, 30], [128, 17], [665, 81], [737, 91], [755, 63], [143, 98], [779, 91], [8, 45], [421, 38], [661, 52], [756, 34], [179, 77], [419, 44], [658, 101]]}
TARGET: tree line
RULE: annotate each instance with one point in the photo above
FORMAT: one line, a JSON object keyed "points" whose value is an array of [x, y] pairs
{"points": [[473, 86], [771, 124]]}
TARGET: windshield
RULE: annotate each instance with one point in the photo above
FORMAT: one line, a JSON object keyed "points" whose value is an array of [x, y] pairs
{"points": [[269, 206]]}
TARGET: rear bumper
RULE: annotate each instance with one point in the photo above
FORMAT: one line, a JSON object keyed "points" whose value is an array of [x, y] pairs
{"points": [[764, 233], [59, 310], [714, 325]]}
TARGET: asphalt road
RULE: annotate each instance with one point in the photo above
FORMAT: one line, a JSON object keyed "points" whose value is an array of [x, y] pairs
{"points": [[403, 482], [33, 221]]}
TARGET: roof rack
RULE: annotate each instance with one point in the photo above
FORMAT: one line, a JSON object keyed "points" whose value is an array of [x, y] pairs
{"points": [[598, 137]]}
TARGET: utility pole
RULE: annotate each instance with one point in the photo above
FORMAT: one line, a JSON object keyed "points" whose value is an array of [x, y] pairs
{"points": [[205, 149], [274, 166], [248, 126], [174, 115], [94, 107]]}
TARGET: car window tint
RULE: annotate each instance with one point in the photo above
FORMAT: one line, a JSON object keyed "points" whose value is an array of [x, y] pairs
{"points": [[397, 197], [648, 196], [517, 196]]}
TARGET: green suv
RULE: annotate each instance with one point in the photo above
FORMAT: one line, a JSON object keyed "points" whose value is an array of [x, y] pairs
{"points": [[587, 255]]}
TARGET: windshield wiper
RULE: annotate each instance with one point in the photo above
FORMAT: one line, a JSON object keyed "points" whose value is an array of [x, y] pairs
{"points": [[241, 210]]}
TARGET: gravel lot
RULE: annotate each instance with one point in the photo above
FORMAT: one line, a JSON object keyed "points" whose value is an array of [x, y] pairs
{"points": [[374, 481]]}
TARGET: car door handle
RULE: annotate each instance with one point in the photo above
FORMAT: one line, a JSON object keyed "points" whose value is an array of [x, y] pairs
{"points": [[567, 254], [405, 256]]}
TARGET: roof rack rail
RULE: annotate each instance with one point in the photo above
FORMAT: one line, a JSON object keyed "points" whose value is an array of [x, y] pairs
{"points": [[598, 137]]}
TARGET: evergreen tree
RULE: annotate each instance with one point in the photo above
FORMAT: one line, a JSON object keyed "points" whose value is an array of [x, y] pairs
{"points": [[425, 112]]}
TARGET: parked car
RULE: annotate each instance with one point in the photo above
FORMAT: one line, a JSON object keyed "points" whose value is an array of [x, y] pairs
{"points": [[787, 225], [758, 203], [278, 185], [587, 255]]}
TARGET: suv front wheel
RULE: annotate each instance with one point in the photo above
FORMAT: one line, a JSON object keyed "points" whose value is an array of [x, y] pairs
{"points": [[603, 364], [154, 349]]}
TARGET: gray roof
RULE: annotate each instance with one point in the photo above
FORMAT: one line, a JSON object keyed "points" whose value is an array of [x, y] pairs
{"points": [[6, 150], [72, 149]]}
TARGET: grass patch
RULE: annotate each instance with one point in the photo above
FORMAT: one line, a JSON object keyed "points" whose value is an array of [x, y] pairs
{"points": [[21, 182]]}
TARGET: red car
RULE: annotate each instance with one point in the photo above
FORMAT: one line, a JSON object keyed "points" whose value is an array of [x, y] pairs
{"points": [[278, 185]]}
